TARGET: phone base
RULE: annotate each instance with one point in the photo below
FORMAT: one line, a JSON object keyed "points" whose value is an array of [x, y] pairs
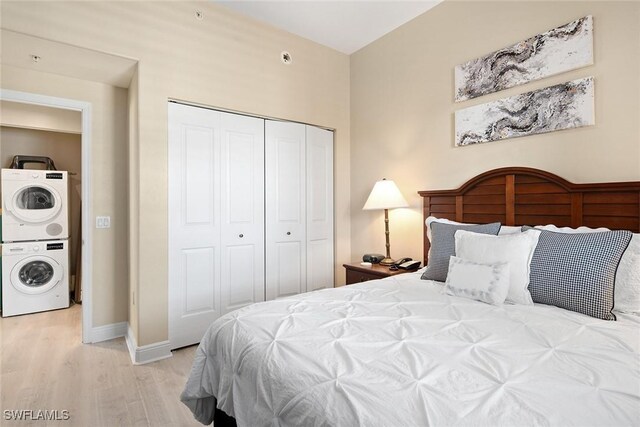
{"points": [[387, 261]]}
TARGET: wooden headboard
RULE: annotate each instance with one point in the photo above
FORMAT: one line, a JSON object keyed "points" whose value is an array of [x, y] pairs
{"points": [[525, 196]]}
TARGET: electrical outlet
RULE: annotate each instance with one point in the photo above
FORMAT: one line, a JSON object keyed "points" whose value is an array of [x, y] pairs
{"points": [[103, 222]]}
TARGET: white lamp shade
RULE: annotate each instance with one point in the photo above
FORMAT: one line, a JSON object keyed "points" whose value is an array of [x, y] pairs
{"points": [[385, 195]]}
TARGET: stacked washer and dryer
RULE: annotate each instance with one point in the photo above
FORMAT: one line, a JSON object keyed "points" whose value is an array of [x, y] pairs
{"points": [[35, 236]]}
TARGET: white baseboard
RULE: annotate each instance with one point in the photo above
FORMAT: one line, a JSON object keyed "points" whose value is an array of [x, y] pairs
{"points": [[146, 353], [131, 344], [108, 332]]}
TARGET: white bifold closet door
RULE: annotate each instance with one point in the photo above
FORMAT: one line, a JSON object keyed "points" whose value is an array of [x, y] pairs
{"points": [[299, 208], [216, 217], [320, 268]]}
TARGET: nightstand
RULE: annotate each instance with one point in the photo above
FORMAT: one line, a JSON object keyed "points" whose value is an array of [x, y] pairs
{"points": [[357, 273]]}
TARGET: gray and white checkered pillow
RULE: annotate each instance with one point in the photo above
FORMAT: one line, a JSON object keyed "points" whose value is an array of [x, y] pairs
{"points": [[443, 246], [577, 271]]}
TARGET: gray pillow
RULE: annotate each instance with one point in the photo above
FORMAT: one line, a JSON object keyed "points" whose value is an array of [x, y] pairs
{"points": [[577, 272], [443, 246]]}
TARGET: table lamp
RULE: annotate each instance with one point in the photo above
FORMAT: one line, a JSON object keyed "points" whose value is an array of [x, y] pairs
{"points": [[385, 195]]}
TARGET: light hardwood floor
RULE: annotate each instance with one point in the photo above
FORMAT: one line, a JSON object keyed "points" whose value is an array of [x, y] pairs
{"points": [[44, 365]]}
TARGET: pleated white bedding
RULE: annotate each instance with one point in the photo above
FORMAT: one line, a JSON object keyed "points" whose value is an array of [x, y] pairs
{"points": [[397, 352]]}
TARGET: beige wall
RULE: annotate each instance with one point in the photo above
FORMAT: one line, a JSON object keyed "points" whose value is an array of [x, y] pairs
{"points": [[224, 60], [391, 105], [108, 176], [32, 116], [63, 148], [402, 108]]}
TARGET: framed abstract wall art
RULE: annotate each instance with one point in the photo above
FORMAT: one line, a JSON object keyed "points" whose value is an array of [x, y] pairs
{"points": [[555, 51], [563, 106]]}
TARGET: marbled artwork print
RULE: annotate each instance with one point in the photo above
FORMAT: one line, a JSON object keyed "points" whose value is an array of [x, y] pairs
{"points": [[562, 49], [563, 106]]}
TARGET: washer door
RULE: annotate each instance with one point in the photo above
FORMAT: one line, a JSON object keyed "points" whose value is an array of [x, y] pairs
{"points": [[36, 275], [35, 203]]}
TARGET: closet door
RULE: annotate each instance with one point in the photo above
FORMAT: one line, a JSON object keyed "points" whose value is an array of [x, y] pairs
{"points": [[242, 189], [286, 240], [320, 268], [194, 222], [216, 217]]}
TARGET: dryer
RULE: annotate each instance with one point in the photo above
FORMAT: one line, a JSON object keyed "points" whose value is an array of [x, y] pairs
{"points": [[34, 277], [34, 205]]}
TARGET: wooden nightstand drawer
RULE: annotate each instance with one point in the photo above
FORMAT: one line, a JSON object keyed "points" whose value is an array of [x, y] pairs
{"points": [[354, 276], [357, 273]]}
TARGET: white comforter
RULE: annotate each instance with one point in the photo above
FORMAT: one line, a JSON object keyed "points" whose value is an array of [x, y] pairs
{"points": [[397, 352]]}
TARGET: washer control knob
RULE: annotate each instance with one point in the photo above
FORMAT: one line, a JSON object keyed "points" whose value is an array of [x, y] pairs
{"points": [[35, 175], [36, 248]]}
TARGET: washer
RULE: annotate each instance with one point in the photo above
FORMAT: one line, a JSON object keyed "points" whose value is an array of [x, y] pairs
{"points": [[34, 205], [34, 277]]}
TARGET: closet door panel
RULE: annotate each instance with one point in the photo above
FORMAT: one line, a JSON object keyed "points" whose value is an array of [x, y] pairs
{"points": [[194, 222], [320, 265], [242, 276], [285, 209], [289, 271], [197, 156], [199, 273], [319, 200], [242, 177]]}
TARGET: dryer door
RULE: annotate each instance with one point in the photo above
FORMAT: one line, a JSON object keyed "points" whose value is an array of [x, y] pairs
{"points": [[35, 203], [36, 274]]}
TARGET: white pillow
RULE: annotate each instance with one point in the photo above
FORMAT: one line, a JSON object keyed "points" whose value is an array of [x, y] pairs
{"points": [[515, 249], [570, 230], [627, 285], [626, 295], [509, 229], [483, 282]]}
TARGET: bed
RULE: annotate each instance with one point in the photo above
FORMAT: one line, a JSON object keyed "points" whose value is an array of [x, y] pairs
{"points": [[398, 351]]}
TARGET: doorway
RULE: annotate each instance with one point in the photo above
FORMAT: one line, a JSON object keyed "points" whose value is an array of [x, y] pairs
{"points": [[85, 266]]}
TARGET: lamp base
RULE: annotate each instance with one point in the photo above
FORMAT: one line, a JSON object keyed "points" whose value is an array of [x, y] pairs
{"points": [[387, 261]]}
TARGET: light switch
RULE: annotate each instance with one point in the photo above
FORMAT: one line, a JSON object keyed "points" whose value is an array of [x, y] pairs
{"points": [[103, 222]]}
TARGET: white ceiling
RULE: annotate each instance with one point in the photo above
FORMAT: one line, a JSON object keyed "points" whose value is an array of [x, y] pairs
{"points": [[346, 26]]}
